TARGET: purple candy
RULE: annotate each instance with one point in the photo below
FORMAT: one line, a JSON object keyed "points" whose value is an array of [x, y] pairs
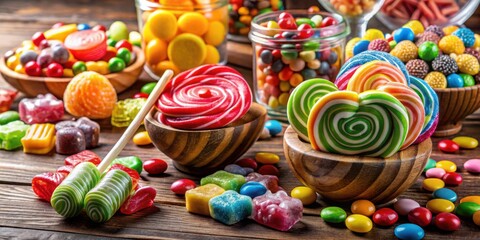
{"points": [[43, 109], [277, 210], [69, 140]]}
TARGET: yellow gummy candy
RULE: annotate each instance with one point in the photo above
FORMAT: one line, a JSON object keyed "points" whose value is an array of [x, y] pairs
{"points": [[213, 56], [215, 34], [39, 139], [196, 200], [193, 22], [187, 51], [162, 24]]}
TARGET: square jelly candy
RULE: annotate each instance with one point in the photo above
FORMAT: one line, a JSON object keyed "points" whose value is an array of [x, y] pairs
{"points": [[125, 111], [277, 210], [90, 129], [269, 181], [225, 180], [196, 200], [39, 139], [11, 134], [43, 109], [230, 207]]}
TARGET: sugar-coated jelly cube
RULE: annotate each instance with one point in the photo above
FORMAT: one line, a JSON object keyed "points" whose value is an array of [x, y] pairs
{"points": [[277, 210], [230, 207]]}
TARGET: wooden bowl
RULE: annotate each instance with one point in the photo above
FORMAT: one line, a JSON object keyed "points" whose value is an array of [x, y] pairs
{"points": [[32, 86], [455, 105], [201, 152], [347, 178]]}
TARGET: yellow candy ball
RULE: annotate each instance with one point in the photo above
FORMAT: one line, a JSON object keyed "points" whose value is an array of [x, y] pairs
{"points": [[102, 67], [215, 34], [436, 80], [162, 66], [187, 51], [193, 22], [451, 44], [304, 194], [67, 72], [142, 138], [449, 29], [416, 26], [349, 47], [12, 62], [372, 34], [156, 51], [213, 56], [162, 24], [467, 64], [19, 69]]}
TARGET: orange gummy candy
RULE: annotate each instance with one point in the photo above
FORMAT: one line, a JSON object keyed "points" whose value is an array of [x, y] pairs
{"points": [[91, 95]]}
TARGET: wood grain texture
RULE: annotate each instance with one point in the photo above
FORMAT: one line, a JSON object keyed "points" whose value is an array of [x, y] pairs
{"points": [[201, 152]]}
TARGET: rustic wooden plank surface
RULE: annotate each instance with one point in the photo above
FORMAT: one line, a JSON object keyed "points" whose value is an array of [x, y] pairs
{"points": [[23, 216]]}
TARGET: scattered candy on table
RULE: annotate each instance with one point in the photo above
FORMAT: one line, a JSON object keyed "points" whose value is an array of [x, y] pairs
{"points": [[466, 142], [385, 217], [230, 207], [197, 199], [142, 138], [225, 180], [472, 165], [181, 186], [304, 194], [39, 138], [11, 134], [409, 231], [420, 216], [333, 215], [155, 166], [90, 129], [42, 109], [358, 223], [132, 162]]}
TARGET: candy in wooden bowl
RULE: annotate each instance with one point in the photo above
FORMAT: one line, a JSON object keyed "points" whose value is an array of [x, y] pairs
{"points": [[32, 86]]}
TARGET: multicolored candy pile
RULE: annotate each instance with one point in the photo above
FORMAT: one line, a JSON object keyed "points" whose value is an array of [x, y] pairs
{"points": [[242, 12]]}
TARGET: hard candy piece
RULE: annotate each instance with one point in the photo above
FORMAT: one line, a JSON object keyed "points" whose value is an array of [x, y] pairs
{"points": [[197, 199], [430, 164], [472, 165], [305, 194], [70, 140], [358, 223], [409, 231], [420, 216], [132, 162], [142, 138], [432, 184], [142, 198], [83, 156], [39, 138], [155, 166], [88, 45], [445, 193], [447, 221], [181, 186], [235, 169], [452, 178], [277, 210], [475, 199], [467, 209], [363, 207], [435, 173], [187, 51], [230, 207], [448, 166], [439, 205], [448, 146], [269, 170], [118, 31], [385, 217], [405, 205], [43, 109], [269, 181], [6, 98], [476, 218], [274, 127], [247, 163], [466, 142], [225, 180], [333, 215], [253, 189], [44, 184], [125, 111], [11, 134]]}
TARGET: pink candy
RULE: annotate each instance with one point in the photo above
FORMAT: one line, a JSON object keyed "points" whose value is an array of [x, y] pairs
{"points": [[435, 173], [472, 165], [277, 210], [43, 109]]}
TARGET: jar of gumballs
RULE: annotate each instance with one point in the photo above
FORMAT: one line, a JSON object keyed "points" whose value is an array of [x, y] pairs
{"points": [[182, 34], [292, 47], [242, 12]]}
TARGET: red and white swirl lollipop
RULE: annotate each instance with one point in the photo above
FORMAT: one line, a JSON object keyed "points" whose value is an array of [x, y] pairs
{"points": [[206, 97]]}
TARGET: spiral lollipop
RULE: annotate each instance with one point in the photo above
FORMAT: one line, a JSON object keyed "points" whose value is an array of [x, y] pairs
{"points": [[302, 99], [342, 80], [206, 97], [371, 123], [431, 106], [374, 74], [414, 105]]}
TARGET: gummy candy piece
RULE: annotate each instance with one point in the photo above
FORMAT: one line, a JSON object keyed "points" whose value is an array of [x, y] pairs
{"points": [[277, 210], [39, 139], [11, 134], [90, 129], [225, 180], [230, 207], [125, 111], [8, 116], [65, 169], [69, 140], [132, 162], [141, 199], [196, 200], [269, 181], [44, 184], [6, 99], [83, 156], [43, 109]]}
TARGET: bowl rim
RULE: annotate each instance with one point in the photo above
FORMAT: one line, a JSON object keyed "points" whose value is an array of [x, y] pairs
{"points": [[446, 90], [139, 62], [150, 119]]}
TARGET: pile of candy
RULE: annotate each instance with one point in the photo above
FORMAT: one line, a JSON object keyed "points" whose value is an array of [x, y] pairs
{"points": [[242, 12], [67, 50], [296, 57], [353, 8], [384, 110], [181, 40], [63, 191], [444, 58]]}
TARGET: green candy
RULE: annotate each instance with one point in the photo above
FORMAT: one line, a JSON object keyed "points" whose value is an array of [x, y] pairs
{"points": [[148, 88], [107, 197], [311, 46], [124, 54], [125, 111], [289, 52], [467, 209], [118, 31], [468, 79], [111, 42], [300, 21], [132, 162], [116, 64], [135, 38], [265, 10], [8, 116], [68, 197], [79, 67], [428, 51], [333, 215], [225, 180], [11, 134], [430, 164]]}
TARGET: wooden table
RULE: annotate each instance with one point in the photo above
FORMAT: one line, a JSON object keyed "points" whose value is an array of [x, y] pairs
{"points": [[23, 216]]}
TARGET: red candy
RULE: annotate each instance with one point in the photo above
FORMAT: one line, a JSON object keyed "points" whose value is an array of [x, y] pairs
{"points": [[141, 199], [37, 38], [83, 156], [420, 216], [124, 44], [385, 217], [54, 70], [285, 15], [182, 185], [247, 163], [448, 146], [269, 170], [57, 25], [287, 23], [87, 45], [99, 28], [133, 174], [306, 31], [140, 95], [33, 69], [44, 184], [66, 169], [452, 178], [447, 222], [328, 21], [6, 98], [155, 166]]}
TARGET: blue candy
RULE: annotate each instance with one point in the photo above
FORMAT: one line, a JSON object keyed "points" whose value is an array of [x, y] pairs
{"points": [[454, 81], [253, 189], [274, 127], [403, 34], [308, 73], [83, 26], [409, 231], [445, 193], [266, 56], [230, 207], [360, 47], [235, 169], [466, 35], [277, 66]]}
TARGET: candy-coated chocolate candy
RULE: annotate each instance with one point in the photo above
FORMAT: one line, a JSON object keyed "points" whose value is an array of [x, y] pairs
{"points": [[54, 70], [9, 116], [448, 146], [116, 64], [445, 193], [430, 164], [439, 205], [448, 166], [476, 218], [60, 54], [432, 184], [409, 231], [363, 207], [420, 216], [475, 199], [37, 38], [385, 217], [132, 162], [328, 21], [33, 69], [467, 209], [124, 44], [79, 67], [182, 185], [304, 194], [454, 81], [403, 34], [267, 158], [358, 223], [472, 165], [155, 166], [452, 178], [83, 26], [142, 138], [428, 51], [253, 189], [235, 169], [435, 173], [405, 205], [333, 214], [140, 95], [148, 88], [247, 163], [124, 54], [287, 23], [447, 221], [274, 127], [27, 56], [361, 46]]}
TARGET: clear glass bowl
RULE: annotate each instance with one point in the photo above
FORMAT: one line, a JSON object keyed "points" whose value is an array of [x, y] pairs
{"points": [[466, 9]]}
